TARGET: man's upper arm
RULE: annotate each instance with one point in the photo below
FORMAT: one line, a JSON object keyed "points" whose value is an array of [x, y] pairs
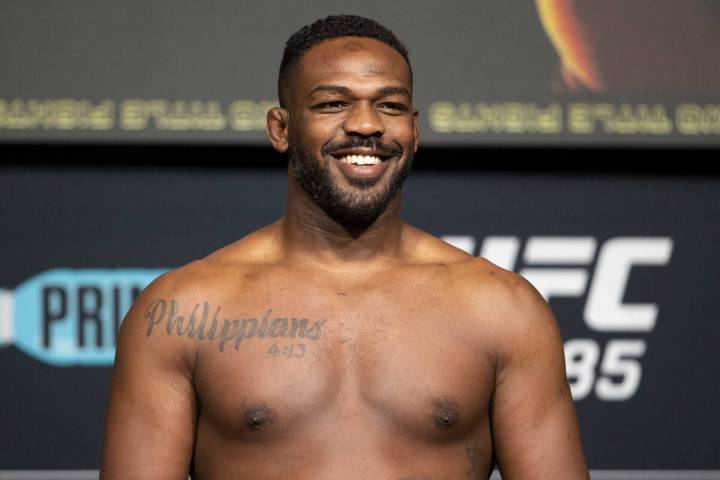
{"points": [[535, 429], [150, 424]]}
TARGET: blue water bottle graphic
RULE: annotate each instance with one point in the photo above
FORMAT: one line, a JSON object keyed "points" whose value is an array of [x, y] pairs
{"points": [[69, 317]]}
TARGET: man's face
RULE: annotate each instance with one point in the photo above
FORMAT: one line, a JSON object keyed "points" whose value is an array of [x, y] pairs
{"points": [[352, 128]]}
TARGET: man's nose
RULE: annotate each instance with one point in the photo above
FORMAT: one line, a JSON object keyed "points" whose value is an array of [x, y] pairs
{"points": [[363, 120]]}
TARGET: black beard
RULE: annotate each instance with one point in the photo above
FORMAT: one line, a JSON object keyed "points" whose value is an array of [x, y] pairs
{"points": [[354, 210]]}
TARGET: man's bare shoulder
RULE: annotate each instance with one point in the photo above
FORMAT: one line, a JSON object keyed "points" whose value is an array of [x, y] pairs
{"points": [[221, 270], [484, 281], [501, 297], [467, 272], [511, 314]]}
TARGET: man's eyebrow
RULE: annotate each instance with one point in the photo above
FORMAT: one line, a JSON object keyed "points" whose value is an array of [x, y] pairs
{"points": [[330, 89], [381, 92], [385, 91]]}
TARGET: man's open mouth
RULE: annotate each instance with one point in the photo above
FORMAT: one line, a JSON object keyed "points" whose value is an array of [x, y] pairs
{"points": [[362, 163], [361, 158]]}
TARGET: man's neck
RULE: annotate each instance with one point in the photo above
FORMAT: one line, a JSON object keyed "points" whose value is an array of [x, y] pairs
{"points": [[310, 234]]}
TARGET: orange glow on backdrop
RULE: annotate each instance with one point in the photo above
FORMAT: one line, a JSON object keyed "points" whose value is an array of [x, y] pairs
{"points": [[654, 47]]}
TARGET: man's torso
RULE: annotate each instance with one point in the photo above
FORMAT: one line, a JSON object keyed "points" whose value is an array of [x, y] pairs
{"points": [[301, 372]]}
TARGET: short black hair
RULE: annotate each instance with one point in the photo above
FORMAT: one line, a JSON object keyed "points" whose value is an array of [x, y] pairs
{"points": [[334, 26]]}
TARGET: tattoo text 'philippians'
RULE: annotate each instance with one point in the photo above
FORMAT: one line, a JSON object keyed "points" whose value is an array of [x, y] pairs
{"points": [[199, 325]]}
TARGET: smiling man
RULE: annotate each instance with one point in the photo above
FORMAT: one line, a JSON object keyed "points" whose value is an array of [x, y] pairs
{"points": [[340, 342]]}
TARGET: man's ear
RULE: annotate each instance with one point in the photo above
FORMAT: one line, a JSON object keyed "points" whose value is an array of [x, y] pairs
{"points": [[277, 128], [416, 128]]}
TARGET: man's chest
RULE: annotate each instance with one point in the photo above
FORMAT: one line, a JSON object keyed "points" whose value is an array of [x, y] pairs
{"points": [[274, 359]]}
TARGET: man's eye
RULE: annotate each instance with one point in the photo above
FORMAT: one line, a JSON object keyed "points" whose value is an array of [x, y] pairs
{"points": [[330, 105], [393, 107]]}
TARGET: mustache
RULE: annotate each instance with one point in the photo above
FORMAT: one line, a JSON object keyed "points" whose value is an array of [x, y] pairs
{"points": [[359, 142]]}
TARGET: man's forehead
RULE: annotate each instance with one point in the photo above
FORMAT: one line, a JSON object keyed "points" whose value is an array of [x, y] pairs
{"points": [[351, 44], [364, 56]]}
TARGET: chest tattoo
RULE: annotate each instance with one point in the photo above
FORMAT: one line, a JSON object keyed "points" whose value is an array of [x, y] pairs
{"points": [[200, 325]]}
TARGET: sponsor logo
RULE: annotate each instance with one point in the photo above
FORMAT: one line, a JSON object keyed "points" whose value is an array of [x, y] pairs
{"points": [[68, 317], [579, 267]]}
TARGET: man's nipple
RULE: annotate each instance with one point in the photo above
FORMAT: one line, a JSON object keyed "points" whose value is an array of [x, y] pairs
{"points": [[445, 413], [257, 417]]}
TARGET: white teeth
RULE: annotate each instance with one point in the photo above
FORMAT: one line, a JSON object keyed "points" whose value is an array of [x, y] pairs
{"points": [[360, 159]]}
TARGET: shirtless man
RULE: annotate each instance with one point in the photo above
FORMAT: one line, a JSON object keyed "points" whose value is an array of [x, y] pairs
{"points": [[340, 342]]}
